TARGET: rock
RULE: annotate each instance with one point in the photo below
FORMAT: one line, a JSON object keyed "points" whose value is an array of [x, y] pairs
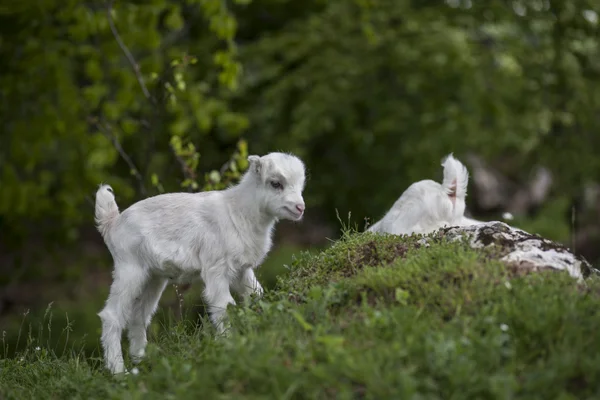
{"points": [[520, 249]]}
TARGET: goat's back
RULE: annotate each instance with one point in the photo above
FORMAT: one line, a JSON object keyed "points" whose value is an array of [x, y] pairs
{"points": [[165, 223], [423, 207]]}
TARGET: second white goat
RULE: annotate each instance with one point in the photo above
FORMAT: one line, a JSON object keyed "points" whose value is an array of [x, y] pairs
{"points": [[218, 236], [427, 205]]}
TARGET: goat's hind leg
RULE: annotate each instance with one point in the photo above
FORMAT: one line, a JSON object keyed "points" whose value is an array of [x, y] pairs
{"points": [[128, 282], [143, 309]]}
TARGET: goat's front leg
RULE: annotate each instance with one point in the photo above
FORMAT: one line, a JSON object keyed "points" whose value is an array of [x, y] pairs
{"points": [[217, 296], [247, 284]]}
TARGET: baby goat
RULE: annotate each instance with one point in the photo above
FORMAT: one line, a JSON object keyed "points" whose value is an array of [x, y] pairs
{"points": [[218, 236], [426, 205]]}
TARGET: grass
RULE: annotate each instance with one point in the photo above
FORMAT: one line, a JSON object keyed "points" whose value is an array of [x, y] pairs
{"points": [[71, 322], [370, 317]]}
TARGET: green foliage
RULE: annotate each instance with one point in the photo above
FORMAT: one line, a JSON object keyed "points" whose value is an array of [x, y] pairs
{"points": [[230, 172], [358, 89], [370, 317], [77, 303], [122, 93], [386, 88]]}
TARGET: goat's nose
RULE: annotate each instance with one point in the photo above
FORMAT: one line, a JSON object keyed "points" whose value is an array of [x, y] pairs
{"points": [[300, 208]]}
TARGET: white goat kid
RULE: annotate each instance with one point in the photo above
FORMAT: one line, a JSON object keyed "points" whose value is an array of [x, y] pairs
{"points": [[427, 205], [218, 236]]}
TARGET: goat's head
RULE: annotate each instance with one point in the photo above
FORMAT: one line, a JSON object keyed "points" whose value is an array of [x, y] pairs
{"points": [[280, 178]]}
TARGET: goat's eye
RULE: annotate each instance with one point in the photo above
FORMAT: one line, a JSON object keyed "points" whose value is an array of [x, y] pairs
{"points": [[276, 185]]}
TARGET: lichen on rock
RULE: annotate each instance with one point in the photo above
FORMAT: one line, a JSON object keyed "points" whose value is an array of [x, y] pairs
{"points": [[521, 249]]}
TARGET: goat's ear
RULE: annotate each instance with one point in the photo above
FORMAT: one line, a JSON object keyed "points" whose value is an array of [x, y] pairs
{"points": [[254, 164]]}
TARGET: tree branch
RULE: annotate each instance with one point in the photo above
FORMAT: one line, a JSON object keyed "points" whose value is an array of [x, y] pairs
{"points": [[130, 58], [187, 173], [105, 129]]}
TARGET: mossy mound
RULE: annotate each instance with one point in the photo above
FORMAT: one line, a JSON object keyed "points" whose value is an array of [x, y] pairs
{"points": [[374, 317]]}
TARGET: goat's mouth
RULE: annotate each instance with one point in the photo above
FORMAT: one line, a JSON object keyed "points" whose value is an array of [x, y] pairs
{"points": [[297, 215]]}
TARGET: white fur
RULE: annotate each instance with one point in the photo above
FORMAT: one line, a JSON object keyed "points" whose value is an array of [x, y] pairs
{"points": [[218, 236], [466, 221], [427, 205]]}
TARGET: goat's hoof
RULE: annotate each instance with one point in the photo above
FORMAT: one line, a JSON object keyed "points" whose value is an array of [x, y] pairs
{"points": [[223, 333], [135, 360], [120, 374]]}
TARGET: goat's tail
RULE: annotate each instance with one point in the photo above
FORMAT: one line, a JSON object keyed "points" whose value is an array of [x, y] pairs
{"points": [[107, 210], [456, 178]]}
